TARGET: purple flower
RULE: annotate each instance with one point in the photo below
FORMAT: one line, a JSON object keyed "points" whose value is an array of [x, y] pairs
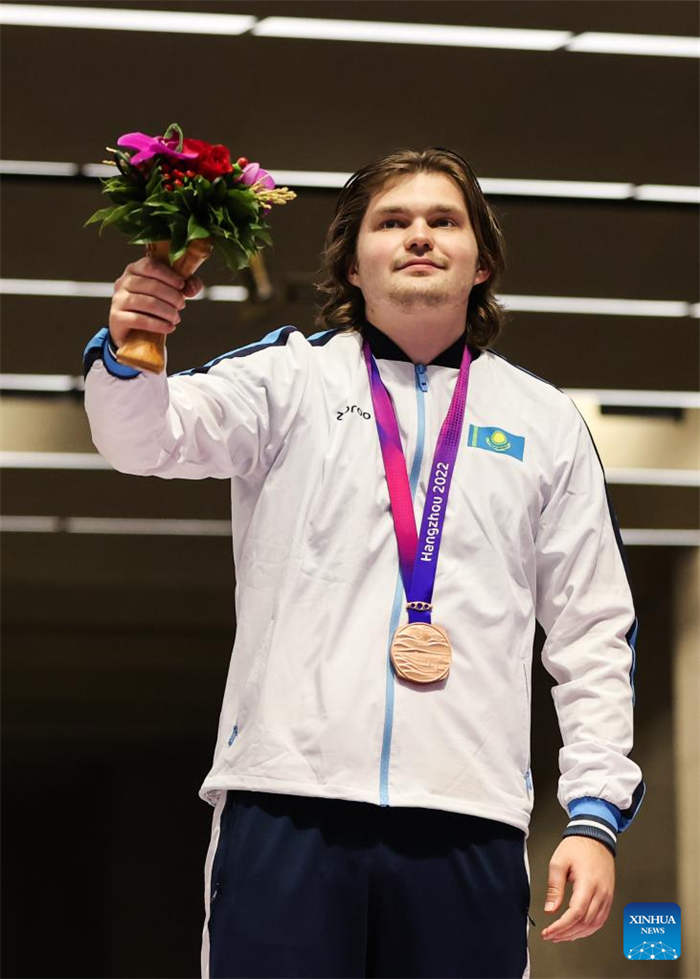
{"points": [[149, 146], [254, 173]]}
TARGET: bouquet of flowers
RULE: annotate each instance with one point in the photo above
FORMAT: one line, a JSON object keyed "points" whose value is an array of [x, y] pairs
{"points": [[182, 199]]}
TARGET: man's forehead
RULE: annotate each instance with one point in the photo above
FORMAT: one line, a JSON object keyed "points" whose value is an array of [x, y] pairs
{"points": [[444, 195]]}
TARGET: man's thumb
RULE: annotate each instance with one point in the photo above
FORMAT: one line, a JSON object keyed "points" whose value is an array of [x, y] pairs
{"points": [[555, 888]]}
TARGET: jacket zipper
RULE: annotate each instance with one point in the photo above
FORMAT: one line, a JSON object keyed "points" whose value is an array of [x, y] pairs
{"points": [[421, 379]]}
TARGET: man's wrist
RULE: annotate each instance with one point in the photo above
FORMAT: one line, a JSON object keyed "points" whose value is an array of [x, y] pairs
{"points": [[593, 828], [594, 818], [109, 356]]}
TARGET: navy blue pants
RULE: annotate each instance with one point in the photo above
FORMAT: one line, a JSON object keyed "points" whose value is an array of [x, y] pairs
{"points": [[329, 887]]}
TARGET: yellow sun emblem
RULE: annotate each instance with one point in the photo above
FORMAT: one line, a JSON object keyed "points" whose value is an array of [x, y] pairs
{"points": [[499, 441]]}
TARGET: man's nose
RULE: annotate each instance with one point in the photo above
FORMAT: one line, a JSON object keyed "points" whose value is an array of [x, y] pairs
{"points": [[419, 236]]}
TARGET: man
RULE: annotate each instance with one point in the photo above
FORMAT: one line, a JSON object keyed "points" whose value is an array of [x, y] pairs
{"points": [[371, 779]]}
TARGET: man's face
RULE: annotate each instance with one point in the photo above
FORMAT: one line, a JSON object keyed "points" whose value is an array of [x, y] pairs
{"points": [[420, 217]]}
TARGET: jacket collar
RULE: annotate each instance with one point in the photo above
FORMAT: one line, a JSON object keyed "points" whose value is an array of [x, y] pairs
{"points": [[384, 348]]}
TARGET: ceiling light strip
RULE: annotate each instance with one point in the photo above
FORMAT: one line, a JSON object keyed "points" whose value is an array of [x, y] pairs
{"points": [[657, 537], [104, 18], [674, 193], [632, 476], [636, 399], [596, 306], [52, 460], [91, 290], [393, 32], [41, 382], [44, 168], [601, 396], [91, 460], [515, 303], [159, 526], [328, 29], [335, 179], [661, 45]]}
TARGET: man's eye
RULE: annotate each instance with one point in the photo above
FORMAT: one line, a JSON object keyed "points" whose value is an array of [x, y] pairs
{"points": [[389, 221]]}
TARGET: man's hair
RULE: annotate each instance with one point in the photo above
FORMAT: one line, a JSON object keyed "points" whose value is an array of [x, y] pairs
{"points": [[344, 304]]}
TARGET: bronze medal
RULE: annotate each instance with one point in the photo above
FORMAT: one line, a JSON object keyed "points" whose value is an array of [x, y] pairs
{"points": [[421, 652]]}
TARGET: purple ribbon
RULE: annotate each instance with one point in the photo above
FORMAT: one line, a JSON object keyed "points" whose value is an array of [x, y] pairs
{"points": [[418, 556]]}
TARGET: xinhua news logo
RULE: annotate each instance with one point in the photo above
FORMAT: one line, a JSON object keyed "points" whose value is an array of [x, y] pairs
{"points": [[652, 930]]}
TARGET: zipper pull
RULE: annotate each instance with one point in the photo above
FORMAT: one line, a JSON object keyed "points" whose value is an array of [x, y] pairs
{"points": [[422, 376]]}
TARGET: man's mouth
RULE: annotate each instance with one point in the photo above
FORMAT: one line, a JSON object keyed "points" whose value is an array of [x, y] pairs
{"points": [[420, 263]]}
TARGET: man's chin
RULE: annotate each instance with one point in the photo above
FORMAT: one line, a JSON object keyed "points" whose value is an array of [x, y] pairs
{"points": [[418, 298]]}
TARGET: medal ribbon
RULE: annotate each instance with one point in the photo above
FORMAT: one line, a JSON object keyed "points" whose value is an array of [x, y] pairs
{"points": [[418, 556]]}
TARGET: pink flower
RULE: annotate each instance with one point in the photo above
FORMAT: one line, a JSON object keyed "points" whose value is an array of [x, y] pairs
{"points": [[149, 146], [254, 173]]}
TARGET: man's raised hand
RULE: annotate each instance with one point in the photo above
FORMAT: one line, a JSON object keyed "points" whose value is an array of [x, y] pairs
{"points": [[149, 295]]}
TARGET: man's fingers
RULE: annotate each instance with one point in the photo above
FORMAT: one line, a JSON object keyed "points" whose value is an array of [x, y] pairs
{"points": [[193, 286], [156, 270], [125, 321], [555, 885], [573, 916], [143, 285], [587, 925], [150, 304], [149, 295]]}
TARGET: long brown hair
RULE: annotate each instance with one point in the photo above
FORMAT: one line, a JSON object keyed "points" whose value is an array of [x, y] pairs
{"points": [[344, 305]]}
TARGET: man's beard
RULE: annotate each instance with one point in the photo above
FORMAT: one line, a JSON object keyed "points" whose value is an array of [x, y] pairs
{"points": [[410, 298]]}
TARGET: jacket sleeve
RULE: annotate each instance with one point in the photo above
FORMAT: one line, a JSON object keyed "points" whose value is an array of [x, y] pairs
{"points": [[227, 418], [586, 609]]}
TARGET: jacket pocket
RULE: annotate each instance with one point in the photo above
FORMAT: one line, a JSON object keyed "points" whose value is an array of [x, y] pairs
{"points": [[219, 871]]}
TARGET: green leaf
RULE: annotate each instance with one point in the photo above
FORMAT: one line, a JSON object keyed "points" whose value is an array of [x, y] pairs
{"points": [[173, 256], [98, 215], [263, 235], [155, 179], [178, 238], [241, 204], [232, 254], [154, 232], [195, 230], [118, 213], [162, 206]]}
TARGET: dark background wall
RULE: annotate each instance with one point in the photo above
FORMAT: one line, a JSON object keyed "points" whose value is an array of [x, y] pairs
{"points": [[115, 648]]}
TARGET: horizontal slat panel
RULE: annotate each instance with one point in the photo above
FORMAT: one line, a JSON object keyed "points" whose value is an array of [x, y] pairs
{"points": [[653, 17], [110, 494], [616, 249], [53, 433], [48, 335], [589, 125], [106, 493]]}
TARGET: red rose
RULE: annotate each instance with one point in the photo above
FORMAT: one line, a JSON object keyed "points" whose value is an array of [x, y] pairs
{"points": [[195, 146], [216, 163], [212, 161]]}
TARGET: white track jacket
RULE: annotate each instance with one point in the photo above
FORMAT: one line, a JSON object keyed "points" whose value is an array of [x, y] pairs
{"points": [[312, 705]]}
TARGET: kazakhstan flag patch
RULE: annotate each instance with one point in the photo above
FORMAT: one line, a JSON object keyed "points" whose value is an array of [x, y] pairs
{"points": [[496, 440]]}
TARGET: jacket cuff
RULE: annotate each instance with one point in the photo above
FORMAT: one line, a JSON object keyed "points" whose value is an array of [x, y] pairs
{"points": [[101, 348], [596, 819]]}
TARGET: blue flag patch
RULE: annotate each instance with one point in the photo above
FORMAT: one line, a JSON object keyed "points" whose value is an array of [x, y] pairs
{"points": [[496, 440]]}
